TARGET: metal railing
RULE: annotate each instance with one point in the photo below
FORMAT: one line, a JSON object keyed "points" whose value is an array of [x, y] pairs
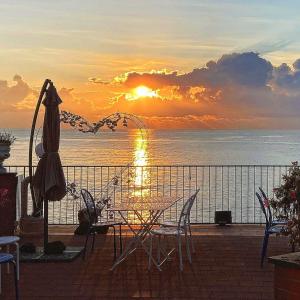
{"points": [[222, 187]]}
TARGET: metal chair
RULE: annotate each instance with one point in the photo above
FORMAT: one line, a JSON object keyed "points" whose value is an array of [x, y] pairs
{"points": [[9, 258], [272, 226], [95, 225], [182, 228], [175, 224]]}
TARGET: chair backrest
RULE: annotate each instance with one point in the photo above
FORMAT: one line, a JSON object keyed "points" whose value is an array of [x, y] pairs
{"points": [[184, 218], [267, 204], [263, 208], [90, 206]]}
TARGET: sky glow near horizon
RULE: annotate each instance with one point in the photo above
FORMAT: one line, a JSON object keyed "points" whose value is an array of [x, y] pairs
{"points": [[197, 60]]}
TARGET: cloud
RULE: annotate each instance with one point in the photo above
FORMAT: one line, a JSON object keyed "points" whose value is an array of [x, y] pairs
{"points": [[247, 69], [265, 47], [239, 90], [286, 78], [98, 80], [11, 95], [296, 65]]}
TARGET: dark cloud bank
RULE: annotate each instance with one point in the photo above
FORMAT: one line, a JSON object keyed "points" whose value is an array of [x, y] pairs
{"points": [[245, 69]]}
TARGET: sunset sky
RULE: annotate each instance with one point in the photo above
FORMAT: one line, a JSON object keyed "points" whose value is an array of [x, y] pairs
{"points": [[176, 64]]}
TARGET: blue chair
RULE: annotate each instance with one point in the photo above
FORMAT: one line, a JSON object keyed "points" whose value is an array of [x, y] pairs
{"points": [[272, 226], [8, 258], [272, 220]]}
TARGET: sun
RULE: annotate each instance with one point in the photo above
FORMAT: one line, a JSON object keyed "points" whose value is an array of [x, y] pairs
{"points": [[143, 91], [140, 92]]}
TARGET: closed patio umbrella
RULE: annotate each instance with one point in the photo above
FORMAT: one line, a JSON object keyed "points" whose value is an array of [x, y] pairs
{"points": [[49, 180]]}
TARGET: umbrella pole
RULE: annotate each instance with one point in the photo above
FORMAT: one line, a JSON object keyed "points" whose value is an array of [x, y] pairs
{"points": [[43, 90], [45, 223]]}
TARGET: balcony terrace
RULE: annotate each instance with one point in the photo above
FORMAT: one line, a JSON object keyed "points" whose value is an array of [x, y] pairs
{"points": [[225, 266]]}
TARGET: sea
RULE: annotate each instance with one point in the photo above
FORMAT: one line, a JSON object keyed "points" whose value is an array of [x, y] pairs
{"points": [[167, 147], [228, 166]]}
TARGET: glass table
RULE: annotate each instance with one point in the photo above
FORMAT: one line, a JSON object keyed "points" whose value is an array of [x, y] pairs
{"points": [[147, 211]]}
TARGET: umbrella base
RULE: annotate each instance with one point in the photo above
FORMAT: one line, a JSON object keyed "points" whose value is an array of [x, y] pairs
{"points": [[68, 255]]}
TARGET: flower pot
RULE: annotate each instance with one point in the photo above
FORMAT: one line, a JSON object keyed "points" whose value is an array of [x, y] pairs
{"points": [[4, 154], [286, 275]]}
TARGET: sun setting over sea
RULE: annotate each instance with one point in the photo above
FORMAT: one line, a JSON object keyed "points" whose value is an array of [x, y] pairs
{"points": [[150, 149]]}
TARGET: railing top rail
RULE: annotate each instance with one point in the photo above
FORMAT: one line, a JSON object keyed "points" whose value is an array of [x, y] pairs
{"points": [[157, 165]]}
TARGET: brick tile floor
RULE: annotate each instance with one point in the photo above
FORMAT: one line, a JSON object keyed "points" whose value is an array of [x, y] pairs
{"points": [[225, 266]]}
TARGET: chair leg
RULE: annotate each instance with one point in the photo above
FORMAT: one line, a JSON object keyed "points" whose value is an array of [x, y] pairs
{"points": [[18, 260], [293, 247], [180, 252], [16, 279], [191, 239], [158, 249], [264, 249], [187, 242], [93, 243], [150, 252], [120, 237], [115, 248], [85, 244]]}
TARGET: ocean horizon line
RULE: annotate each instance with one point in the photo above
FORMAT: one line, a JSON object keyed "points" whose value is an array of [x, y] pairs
{"points": [[167, 129]]}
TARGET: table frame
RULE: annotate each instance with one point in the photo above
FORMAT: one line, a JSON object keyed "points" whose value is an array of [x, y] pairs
{"points": [[142, 234]]}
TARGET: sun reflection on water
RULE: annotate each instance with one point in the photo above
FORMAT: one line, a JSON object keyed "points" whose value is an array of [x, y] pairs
{"points": [[141, 163], [140, 188]]}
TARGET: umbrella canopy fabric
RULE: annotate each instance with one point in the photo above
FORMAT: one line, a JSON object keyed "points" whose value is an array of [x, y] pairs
{"points": [[49, 180]]}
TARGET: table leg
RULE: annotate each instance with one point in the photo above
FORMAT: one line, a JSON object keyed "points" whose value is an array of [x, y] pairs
{"points": [[131, 247], [18, 260], [147, 228], [7, 265]]}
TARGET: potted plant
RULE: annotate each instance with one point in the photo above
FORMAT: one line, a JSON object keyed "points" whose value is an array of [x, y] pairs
{"points": [[6, 140], [286, 205]]}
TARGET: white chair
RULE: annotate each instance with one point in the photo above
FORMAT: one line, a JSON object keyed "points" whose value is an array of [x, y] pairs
{"points": [[175, 224], [182, 228]]}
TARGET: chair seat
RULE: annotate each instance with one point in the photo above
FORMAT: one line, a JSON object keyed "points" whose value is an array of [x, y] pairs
{"points": [[166, 231], [170, 224], [279, 222], [6, 257], [106, 223], [6, 240], [275, 229]]}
